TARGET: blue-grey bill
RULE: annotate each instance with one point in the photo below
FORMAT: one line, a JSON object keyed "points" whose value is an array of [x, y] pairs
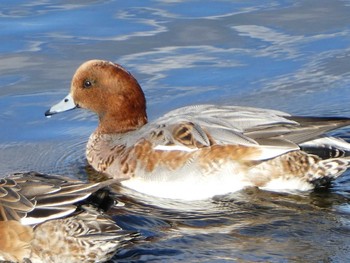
{"points": [[64, 105]]}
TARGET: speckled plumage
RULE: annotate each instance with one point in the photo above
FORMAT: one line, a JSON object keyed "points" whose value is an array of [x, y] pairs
{"points": [[40, 221], [202, 150]]}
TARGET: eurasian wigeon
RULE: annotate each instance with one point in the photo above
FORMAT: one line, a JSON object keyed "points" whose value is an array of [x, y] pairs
{"points": [[197, 152], [40, 221]]}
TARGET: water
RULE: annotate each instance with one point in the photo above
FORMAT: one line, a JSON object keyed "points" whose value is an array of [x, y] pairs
{"points": [[286, 55]]}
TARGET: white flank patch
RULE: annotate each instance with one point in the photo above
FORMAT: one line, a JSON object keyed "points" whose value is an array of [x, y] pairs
{"points": [[181, 190], [189, 185], [281, 185], [174, 148]]}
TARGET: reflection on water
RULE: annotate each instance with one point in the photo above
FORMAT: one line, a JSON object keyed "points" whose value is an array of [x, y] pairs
{"points": [[287, 55], [249, 226]]}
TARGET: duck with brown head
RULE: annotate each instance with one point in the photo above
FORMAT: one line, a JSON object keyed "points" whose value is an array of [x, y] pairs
{"points": [[200, 151], [111, 92]]}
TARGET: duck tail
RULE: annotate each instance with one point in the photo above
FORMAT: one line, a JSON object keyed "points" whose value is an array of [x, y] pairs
{"points": [[327, 147], [327, 170]]}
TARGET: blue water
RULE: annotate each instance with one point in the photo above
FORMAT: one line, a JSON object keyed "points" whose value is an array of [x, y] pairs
{"points": [[287, 55]]}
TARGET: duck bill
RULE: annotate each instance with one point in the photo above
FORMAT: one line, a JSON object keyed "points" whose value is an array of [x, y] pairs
{"points": [[64, 105]]}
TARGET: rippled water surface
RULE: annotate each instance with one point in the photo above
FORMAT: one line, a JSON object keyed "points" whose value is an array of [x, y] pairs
{"points": [[286, 55]]}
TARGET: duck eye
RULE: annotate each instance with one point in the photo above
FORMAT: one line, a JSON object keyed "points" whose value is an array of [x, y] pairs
{"points": [[87, 84]]}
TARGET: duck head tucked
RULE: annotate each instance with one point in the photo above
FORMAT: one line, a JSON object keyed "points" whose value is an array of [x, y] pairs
{"points": [[110, 91]]}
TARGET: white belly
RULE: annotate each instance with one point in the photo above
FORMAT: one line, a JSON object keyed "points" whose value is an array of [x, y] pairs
{"points": [[184, 185]]}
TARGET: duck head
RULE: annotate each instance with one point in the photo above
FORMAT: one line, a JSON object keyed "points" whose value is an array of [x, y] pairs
{"points": [[108, 90]]}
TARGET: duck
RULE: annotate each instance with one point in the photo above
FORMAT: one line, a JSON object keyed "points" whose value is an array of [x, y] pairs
{"points": [[46, 218], [200, 151]]}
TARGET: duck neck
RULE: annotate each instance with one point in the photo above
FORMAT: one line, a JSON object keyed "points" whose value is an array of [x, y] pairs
{"points": [[112, 124]]}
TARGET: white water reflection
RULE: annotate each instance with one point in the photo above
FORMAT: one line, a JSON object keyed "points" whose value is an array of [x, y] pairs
{"points": [[156, 63], [281, 45], [325, 71]]}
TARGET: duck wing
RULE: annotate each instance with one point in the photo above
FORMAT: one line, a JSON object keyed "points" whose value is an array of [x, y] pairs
{"points": [[199, 126], [33, 198]]}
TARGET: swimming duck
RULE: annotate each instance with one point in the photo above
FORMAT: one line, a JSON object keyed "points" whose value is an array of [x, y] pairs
{"points": [[199, 151], [40, 221]]}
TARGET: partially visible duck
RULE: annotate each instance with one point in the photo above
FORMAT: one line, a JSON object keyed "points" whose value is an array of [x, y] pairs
{"points": [[200, 151], [41, 221]]}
